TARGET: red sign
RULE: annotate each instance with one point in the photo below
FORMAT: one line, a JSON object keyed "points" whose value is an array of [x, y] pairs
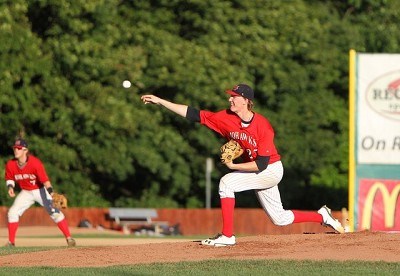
{"points": [[378, 205]]}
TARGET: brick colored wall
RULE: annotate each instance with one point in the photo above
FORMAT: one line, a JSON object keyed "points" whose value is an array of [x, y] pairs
{"points": [[191, 221]]}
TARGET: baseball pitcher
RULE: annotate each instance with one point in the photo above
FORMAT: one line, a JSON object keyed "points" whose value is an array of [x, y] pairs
{"points": [[261, 169]]}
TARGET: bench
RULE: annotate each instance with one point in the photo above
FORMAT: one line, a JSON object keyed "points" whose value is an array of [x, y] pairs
{"points": [[125, 217]]}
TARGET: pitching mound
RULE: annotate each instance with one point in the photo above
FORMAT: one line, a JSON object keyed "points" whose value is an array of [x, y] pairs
{"points": [[365, 246]]}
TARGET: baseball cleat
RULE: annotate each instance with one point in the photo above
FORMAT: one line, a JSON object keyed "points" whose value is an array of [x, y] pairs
{"points": [[71, 242], [329, 220], [9, 244], [219, 240]]}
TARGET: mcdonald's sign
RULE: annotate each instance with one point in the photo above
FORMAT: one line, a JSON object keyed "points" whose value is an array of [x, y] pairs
{"points": [[378, 205]]}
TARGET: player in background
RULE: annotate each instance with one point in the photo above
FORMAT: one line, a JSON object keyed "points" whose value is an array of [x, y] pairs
{"points": [[29, 173], [261, 169]]}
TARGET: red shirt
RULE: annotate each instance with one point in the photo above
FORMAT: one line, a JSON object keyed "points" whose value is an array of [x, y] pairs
{"points": [[29, 177], [256, 139]]}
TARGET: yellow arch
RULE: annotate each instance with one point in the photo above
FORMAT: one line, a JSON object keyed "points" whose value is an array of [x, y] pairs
{"points": [[389, 203]]}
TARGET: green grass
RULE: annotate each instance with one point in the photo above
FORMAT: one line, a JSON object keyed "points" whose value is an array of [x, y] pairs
{"points": [[223, 267], [19, 250]]}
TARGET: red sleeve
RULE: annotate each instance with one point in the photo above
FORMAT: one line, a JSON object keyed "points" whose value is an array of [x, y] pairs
{"points": [[212, 120]]}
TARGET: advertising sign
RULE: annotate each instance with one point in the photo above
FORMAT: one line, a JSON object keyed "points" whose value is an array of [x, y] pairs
{"points": [[378, 109], [377, 205], [374, 148]]}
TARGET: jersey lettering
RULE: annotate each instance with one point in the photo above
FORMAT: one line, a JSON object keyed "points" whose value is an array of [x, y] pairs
{"points": [[256, 139], [243, 137], [24, 176], [30, 177]]}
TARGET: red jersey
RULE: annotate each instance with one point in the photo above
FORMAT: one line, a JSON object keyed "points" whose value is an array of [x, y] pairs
{"points": [[29, 177], [256, 139]]}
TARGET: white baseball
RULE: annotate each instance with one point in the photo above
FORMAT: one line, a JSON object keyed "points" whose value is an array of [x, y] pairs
{"points": [[126, 84]]}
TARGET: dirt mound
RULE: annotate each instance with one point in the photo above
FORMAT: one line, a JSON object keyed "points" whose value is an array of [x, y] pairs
{"points": [[367, 246]]}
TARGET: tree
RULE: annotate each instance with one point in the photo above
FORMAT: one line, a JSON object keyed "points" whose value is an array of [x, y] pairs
{"points": [[62, 65]]}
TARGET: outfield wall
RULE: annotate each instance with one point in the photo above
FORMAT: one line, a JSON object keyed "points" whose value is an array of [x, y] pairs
{"points": [[191, 221]]}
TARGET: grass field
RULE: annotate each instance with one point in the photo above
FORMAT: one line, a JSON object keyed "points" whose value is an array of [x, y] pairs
{"points": [[221, 267]]}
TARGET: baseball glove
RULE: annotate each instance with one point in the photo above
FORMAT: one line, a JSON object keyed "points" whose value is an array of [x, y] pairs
{"points": [[230, 151], [59, 201]]}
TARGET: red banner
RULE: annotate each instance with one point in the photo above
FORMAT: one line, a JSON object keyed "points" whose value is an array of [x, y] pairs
{"points": [[378, 205]]}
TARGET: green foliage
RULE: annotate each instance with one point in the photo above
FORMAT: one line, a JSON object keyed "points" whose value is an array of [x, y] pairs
{"points": [[62, 65]]}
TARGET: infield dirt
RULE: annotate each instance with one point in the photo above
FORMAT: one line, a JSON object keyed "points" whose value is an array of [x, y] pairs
{"points": [[100, 252]]}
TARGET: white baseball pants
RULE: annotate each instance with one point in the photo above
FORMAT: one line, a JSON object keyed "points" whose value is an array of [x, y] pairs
{"points": [[265, 184], [26, 199]]}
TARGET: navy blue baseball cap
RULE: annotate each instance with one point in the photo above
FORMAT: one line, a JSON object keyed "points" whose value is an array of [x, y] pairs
{"points": [[20, 143], [242, 90]]}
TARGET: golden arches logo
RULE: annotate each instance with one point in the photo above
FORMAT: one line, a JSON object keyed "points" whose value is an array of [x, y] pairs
{"points": [[389, 204]]}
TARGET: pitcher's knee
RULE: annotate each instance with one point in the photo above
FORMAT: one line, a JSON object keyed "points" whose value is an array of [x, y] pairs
{"points": [[280, 222], [283, 219]]}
